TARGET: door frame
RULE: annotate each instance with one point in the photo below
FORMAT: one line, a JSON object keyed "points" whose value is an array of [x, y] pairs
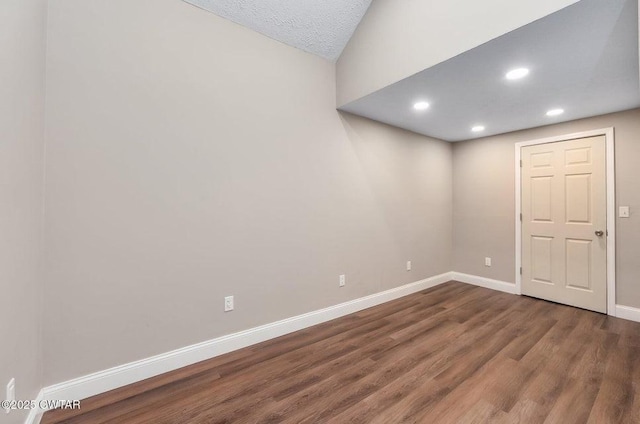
{"points": [[609, 135]]}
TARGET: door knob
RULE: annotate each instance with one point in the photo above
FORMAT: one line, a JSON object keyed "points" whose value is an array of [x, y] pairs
{"points": [[599, 233]]}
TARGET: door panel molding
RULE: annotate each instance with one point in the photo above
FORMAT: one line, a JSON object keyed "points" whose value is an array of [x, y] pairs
{"points": [[575, 159]]}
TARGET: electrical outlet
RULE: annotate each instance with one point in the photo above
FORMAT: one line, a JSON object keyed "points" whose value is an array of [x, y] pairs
{"points": [[487, 261], [343, 280], [11, 393], [228, 304], [408, 265]]}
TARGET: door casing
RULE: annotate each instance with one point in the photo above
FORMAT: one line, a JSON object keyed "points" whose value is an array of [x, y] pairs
{"points": [[608, 133]]}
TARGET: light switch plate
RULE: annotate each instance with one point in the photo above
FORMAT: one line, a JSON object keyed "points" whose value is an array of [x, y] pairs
{"points": [[624, 212]]}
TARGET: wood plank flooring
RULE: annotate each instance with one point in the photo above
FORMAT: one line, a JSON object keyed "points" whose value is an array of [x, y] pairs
{"points": [[452, 354]]}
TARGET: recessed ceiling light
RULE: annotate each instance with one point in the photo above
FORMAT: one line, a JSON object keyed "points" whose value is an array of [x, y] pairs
{"points": [[555, 112], [421, 106], [478, 128], [517, 73]]}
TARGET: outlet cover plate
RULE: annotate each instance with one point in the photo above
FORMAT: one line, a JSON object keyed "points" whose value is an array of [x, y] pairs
{"points": [[228, 304]]}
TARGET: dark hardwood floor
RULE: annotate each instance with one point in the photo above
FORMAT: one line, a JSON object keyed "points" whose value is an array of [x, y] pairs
{"points": [[452, 354]]}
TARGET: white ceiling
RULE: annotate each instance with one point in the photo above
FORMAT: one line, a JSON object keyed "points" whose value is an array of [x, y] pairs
{"points": [[321, 27], [583, 59]]}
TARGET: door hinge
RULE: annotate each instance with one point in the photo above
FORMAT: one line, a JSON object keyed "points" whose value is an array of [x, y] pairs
{"points": [[520, 270], [520, 163], [520, 217]]}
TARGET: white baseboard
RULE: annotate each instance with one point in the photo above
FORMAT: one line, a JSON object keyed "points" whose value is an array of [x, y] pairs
{"points": [[35, 415], [628, 312], [488, 283], [113, 378]]}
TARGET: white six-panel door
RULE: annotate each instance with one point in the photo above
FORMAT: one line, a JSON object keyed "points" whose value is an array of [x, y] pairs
{"points": [[564, 210]]}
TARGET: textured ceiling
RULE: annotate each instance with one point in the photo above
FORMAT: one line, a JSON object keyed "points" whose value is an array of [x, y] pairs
{"points": [[583, 59], [321, 27]]}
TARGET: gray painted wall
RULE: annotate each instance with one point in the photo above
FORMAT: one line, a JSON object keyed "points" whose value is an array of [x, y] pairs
{"points": [[189, 159], [484, 200], [22, 46]]}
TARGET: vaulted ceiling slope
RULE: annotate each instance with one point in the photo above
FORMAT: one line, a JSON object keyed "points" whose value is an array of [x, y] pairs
{"points": [[397, 39], [582, 62], [319, 27]]}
